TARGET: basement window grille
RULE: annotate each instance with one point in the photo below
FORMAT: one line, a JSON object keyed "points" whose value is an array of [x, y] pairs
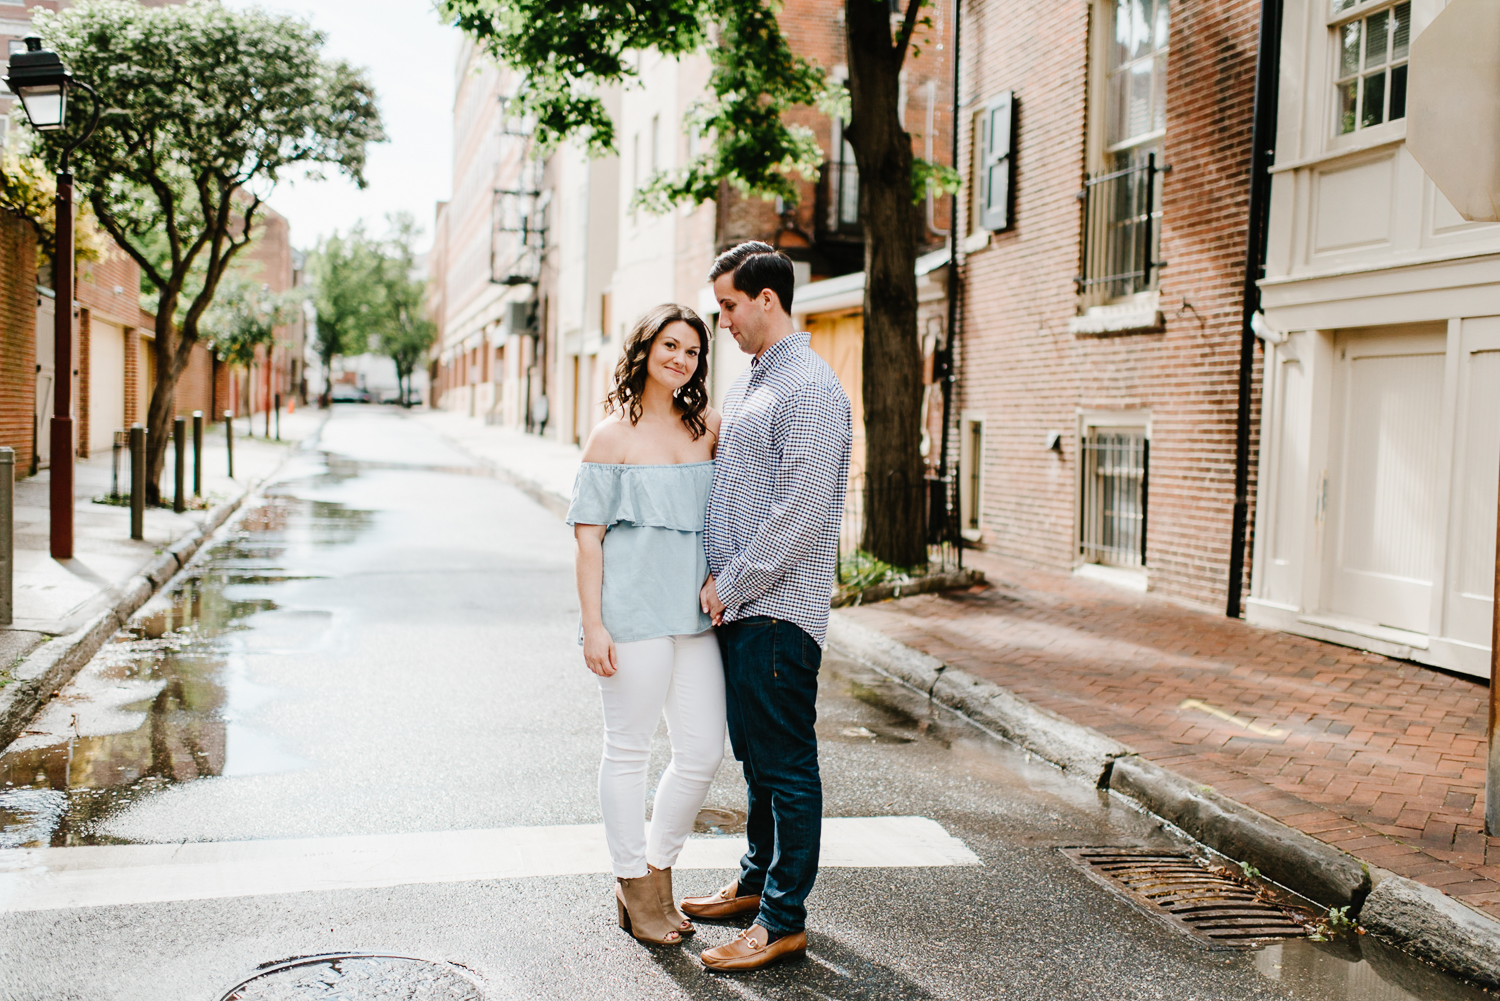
{"points": [[1112, 516]]}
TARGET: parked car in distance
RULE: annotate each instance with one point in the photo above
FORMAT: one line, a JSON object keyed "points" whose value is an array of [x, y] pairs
{"points": [[345, 393], [390, 396]]}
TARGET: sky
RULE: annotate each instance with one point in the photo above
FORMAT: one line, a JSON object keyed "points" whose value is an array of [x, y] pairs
{"points": [[409, 55]]}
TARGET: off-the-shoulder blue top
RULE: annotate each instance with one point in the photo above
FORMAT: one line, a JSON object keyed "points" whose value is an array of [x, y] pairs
{"points": [[653, 544]]}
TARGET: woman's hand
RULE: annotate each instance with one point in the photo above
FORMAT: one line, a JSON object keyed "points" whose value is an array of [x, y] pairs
{"points": [[599, 651]]}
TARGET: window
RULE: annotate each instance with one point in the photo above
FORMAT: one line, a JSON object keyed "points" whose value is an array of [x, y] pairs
{"points": [[841, 175], [971, 476], [1122, 198], [1370, 82], [1112, 495], [1136, 91], [655, 143]]}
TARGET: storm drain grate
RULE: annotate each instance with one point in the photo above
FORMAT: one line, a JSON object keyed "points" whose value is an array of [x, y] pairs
{"points": [[1178, 888]]}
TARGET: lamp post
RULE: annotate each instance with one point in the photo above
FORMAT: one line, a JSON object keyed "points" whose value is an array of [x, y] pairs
{"points": [[39, 78]]}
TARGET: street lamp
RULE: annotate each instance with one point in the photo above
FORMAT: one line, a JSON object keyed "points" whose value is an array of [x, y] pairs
{"points": [[39, 78]]}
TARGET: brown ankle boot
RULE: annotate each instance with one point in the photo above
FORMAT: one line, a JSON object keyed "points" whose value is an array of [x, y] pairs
{"points": [[641, 913], [663, 879]]}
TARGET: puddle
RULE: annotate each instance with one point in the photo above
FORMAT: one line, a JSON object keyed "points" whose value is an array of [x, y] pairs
{"points": [[1357, 968], [168, 699]]}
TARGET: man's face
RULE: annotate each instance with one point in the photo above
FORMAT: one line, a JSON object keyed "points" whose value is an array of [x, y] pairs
{"points": [[746, 319]]}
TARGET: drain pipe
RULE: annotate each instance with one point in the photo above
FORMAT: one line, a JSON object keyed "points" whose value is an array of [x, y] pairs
{"points": [[1262, 155], [942, 367]]}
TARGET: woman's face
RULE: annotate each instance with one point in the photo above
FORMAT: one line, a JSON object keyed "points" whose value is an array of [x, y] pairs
{"points": [[674, 355]]}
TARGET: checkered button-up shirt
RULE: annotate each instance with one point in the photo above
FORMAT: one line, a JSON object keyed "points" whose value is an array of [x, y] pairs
{"points": [[782, 465]]}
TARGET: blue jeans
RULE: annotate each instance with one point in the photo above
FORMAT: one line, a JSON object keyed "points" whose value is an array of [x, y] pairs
{"points": [[771, 691]]}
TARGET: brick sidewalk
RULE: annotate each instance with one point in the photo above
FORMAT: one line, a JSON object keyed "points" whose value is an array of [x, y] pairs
{"points": [[1383, 758]]}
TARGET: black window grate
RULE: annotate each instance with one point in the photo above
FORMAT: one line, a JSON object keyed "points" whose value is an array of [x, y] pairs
{"points": [[1112, 509]]}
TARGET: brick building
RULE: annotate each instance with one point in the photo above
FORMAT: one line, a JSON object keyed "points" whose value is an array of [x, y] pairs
{"points": [[602, 263], [1100, 295]]}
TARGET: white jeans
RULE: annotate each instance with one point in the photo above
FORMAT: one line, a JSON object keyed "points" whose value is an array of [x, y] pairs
{"points": [[682, 676]]}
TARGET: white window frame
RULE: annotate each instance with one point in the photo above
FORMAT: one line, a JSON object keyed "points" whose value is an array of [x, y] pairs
{"points": [[1337, 18], [1091, 420], [971, 475]]}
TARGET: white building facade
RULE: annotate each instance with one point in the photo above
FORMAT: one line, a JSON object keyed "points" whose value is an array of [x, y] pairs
{"points": [[1380, 414]]}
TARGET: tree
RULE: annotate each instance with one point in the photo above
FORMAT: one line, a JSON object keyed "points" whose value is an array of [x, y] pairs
{"points": [[348, 277], [244, 317], [204, 109], [405, 332], [569, 52], [29, 190]]}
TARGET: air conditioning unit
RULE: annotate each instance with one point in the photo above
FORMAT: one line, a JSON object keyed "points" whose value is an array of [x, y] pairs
{"points": [[520, 317]]}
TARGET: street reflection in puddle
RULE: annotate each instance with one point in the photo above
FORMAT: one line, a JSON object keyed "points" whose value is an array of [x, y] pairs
{"points": [[165, 701]]}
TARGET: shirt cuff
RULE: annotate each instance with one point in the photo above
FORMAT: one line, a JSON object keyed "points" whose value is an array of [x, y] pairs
{"points": [[724, 588]]}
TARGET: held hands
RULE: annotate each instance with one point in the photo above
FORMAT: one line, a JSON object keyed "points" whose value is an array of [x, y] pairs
{"points": [[708, 600], [599, 651]]}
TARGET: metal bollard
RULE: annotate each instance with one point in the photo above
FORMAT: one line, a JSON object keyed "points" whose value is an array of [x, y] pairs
{"points": [[278, 416], [179, 450], [197, 453], [122, 440], [7, 535], [229, 440], [137, 481]]}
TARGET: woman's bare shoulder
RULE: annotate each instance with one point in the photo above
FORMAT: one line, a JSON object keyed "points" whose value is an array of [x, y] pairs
{"points": [[607, 441], [712, 419]]}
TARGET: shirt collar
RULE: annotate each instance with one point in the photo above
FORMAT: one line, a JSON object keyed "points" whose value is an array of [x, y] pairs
{"points": [[781, 350]]}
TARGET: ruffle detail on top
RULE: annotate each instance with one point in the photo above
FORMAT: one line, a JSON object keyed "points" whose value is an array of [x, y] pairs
{"points": [[674, 497]]}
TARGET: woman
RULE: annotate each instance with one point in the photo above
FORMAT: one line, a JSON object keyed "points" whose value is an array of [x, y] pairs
{"points": [[637, 515]]}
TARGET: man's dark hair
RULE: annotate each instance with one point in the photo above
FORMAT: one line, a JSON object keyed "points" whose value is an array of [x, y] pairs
{"points": [[758, 266]]}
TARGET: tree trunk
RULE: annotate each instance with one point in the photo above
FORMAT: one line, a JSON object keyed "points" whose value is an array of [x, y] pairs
{"points": [[895, 489], [160, 411]]}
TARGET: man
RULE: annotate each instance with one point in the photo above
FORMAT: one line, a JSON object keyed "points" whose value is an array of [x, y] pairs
{"points": [[771, 537]]}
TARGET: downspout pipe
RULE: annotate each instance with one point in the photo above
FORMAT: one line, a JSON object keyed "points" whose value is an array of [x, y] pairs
{"points": [[1262, 156], [942, 367]]}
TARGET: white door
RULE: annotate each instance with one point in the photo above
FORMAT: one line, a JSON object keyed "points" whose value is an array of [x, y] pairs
{"points": [[1385, 494], [46, 378], [106, 385], [1468, 604]]}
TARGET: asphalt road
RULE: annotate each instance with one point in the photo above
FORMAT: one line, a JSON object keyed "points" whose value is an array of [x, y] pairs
{"points": [[386, 646]]}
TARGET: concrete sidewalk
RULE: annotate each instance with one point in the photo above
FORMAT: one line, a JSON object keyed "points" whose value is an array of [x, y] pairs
{"points": [[64, 604]]}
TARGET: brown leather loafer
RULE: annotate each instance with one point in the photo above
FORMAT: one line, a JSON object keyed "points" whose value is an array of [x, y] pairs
{"points": [[746, 953], [724, 904]]}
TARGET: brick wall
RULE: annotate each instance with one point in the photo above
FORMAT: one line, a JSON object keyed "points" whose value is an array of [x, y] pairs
{"points": [[1020, 366], [18, 297]]}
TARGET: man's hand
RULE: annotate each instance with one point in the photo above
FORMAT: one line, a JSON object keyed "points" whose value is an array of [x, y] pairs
{"points": [[708, 600]]}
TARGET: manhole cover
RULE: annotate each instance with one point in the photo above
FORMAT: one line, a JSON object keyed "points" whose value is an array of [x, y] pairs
{"points": [[1178, 888], [357, 977]]}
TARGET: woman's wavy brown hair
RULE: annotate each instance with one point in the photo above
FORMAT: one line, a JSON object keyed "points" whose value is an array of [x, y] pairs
{"points": [[691, 397]]}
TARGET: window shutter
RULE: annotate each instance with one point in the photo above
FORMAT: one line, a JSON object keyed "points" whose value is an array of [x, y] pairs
{"points": [[996, 163]]}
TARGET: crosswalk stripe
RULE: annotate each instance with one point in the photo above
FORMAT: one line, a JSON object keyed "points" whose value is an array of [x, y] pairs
{"points": [[38, 879]]}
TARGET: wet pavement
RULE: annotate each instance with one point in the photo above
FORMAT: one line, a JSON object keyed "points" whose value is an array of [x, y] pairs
{"points": [[385, 646]]}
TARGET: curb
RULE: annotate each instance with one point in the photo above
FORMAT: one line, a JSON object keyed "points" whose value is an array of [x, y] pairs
{"points": [[53, 664], [1420, 919], [921, 585]]}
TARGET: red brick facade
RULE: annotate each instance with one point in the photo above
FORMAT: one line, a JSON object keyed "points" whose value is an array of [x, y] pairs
{"points": [[17, 336], [1021, 368]]}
